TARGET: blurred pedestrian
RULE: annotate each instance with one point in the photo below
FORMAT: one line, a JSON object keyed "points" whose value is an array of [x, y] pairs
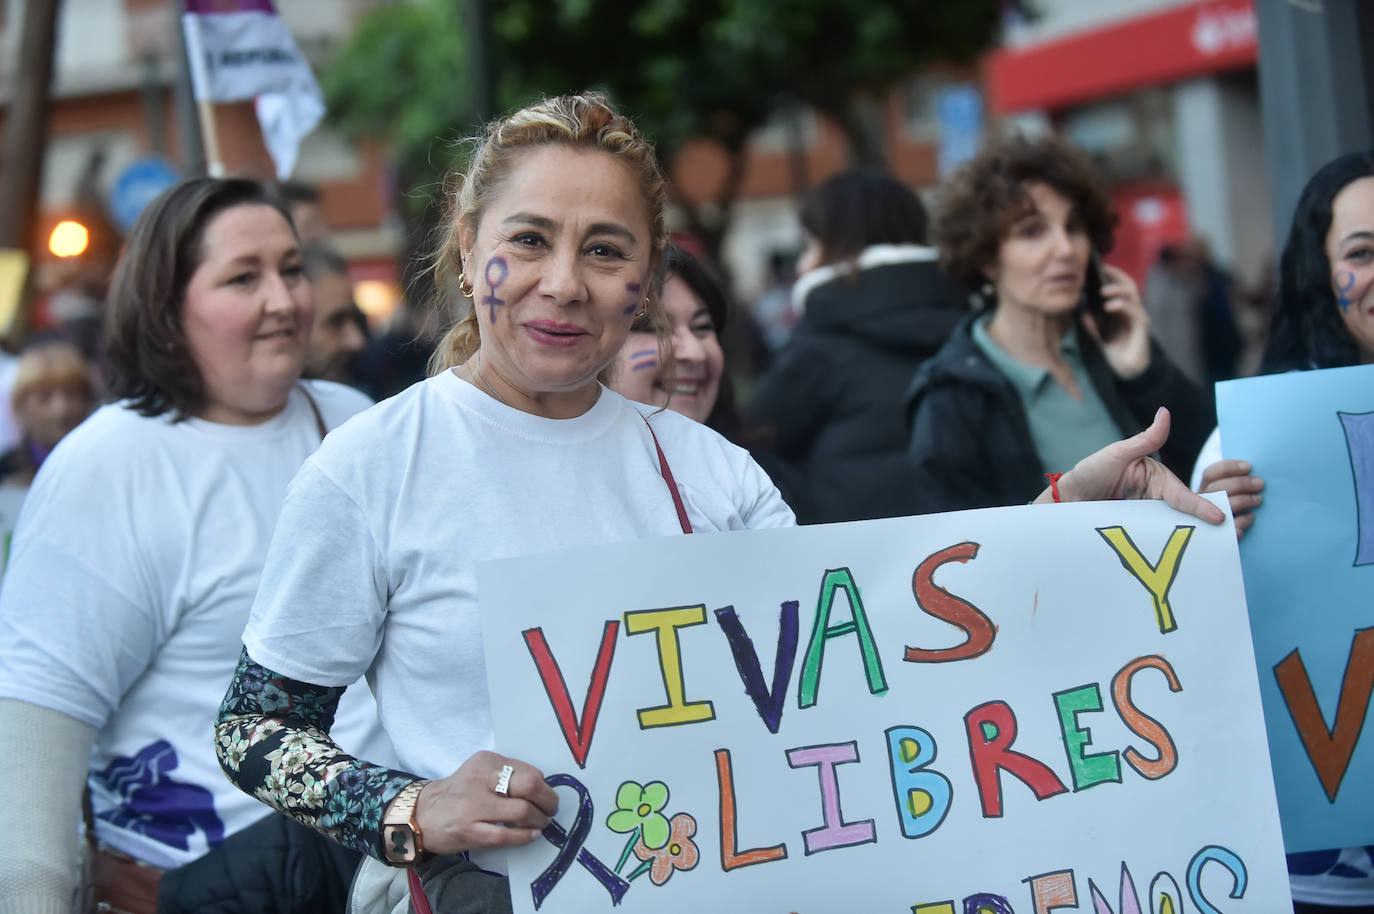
{"points": [[1190, 300], [136, 559], [54, 389], [1324, 318], [1037, 380], [338, 332], [306, 206], [772, 311], [873, 306]]}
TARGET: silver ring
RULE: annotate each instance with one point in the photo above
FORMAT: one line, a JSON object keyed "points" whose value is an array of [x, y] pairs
{"points": [[503, 780]]}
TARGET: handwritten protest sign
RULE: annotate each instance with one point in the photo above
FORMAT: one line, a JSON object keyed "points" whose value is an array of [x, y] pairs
{"points": [[1309, 577], [1006, 710]]}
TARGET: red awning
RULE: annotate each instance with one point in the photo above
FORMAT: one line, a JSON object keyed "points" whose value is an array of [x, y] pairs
{"points": [[1195, 39]]}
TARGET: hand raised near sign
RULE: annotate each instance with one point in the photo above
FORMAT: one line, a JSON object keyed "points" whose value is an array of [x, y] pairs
{"points": [[1126, 470], [464, 810], [1233, 477]]}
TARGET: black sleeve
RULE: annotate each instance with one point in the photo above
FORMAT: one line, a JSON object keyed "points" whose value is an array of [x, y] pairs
{"points": [[949, 454], [791, 401]]}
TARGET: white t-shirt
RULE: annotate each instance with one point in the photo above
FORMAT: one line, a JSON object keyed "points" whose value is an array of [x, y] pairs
{"points": [[373, 565], [132, 572]]}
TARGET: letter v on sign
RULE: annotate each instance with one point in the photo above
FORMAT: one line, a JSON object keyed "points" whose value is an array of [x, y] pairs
{"points": [[577, 733], [1330, 748]]}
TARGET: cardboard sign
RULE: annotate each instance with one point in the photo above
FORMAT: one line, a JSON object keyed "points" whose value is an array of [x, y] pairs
{"points": [[1005, 710], [1309, 578]]}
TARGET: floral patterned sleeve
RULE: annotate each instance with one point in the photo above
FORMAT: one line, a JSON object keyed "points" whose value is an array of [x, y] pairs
{"points": [[272, 738]]}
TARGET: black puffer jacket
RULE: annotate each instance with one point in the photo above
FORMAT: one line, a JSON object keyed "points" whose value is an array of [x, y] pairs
{"points": [[971, 442], [276, 866], [831, 406]]}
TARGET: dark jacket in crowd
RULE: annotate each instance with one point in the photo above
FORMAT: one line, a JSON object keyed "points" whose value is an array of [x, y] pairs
{"points": [[831, 406], [276, 866], [971, 442]]}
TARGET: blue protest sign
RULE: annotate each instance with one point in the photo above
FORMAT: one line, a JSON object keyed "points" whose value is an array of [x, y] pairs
{"points": [[1308, 580]]}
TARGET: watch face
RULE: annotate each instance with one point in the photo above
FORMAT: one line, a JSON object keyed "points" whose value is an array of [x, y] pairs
{"points": [[400, 843]]}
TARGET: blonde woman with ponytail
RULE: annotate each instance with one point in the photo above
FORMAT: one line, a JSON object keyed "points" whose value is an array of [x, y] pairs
{"points": [[512, 447]]}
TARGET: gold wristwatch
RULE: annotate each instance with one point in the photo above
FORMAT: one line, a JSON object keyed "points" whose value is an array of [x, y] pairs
{"points": [[400, 832]]}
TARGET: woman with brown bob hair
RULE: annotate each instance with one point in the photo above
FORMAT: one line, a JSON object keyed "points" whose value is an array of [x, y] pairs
{"points": [[1059, 363], [512, 448], [137, 556]]}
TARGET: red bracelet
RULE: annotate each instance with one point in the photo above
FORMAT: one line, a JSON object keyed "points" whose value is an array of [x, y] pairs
{"points": [[1054, 485]]}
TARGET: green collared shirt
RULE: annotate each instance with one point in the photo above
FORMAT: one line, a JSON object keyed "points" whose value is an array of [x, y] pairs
{"points": [[1063, 430]]}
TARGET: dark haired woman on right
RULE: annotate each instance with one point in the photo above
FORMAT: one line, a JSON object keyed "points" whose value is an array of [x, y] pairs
{"points": [[1035, 382], [1324, 319], [873, 306]]}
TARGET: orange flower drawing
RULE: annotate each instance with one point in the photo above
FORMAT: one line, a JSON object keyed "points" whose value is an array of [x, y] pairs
{"points": [[679, 853]]}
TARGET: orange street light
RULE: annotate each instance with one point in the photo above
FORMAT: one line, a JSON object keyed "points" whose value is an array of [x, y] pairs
{"points": [[69, 239]]}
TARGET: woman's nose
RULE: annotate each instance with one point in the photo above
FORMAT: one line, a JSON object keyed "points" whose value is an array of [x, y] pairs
{"points": [[686, 346], [562, 278]]}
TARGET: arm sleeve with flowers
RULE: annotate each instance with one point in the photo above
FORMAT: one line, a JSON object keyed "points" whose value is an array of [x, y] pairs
{"points": [[272, 739]]}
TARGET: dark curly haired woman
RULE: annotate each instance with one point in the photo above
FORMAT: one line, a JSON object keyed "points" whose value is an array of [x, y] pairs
{"points": [[1036, 381]]}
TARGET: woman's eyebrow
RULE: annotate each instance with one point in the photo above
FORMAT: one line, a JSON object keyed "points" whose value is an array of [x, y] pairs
{"points": [[544, 222], [1359, 235]]}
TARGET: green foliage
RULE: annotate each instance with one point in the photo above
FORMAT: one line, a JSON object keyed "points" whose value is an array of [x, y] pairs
{"points": [[683, 68], [402, 79]]}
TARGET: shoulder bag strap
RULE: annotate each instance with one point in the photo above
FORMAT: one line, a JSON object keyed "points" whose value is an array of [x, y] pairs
{"points": [[315, 408], [668, 478]]}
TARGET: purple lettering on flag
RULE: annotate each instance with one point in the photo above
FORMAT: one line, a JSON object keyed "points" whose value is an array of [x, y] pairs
{"points": [[211, 7]]}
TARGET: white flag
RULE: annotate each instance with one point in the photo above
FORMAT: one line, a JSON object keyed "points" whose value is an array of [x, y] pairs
{"points": [[241, 49]]}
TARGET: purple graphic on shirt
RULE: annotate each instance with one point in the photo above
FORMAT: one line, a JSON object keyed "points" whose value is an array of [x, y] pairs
{"points": [[153, 804], [1359, 441]]}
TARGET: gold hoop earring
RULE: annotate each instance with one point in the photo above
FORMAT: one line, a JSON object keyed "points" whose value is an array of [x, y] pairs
{"points": [[465, 285]]}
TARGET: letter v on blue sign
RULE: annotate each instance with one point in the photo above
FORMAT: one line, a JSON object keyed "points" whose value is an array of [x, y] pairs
{"points": [[768, 703]]}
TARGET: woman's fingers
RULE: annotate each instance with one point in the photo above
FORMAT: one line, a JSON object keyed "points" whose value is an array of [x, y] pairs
{"points": [[1223, 470], [1181, 498], [492, 834]]}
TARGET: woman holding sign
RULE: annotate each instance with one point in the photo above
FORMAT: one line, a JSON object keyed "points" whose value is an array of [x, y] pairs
{"points": [[512, 448], [1325, 319]]}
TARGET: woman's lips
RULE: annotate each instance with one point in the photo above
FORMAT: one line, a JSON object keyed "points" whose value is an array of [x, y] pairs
{"points": [[552, 333]]}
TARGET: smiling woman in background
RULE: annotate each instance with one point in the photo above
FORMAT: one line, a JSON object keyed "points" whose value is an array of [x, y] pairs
{"points": [[689, 375]]}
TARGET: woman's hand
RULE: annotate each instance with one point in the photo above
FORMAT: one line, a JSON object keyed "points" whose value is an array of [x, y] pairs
{"points": [[1233, 477], [1128, 351], [463, 811], [1126, 470]]}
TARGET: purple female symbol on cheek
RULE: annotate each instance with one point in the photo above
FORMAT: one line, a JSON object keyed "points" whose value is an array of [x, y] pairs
{"points": [[497, 266], [633, 288], [1344, 281]]}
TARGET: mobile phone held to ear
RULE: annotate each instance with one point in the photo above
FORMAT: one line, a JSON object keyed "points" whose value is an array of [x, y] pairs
{"points": [[1095, 303]]}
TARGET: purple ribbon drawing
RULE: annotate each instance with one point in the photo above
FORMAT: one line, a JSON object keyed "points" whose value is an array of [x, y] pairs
{"points": [[570, 848]]}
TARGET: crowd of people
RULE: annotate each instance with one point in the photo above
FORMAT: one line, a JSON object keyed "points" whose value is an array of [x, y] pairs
{"points": [[219, 568]]}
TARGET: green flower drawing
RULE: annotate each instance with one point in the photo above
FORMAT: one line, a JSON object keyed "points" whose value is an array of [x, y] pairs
{"points": [[639, 813]]}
